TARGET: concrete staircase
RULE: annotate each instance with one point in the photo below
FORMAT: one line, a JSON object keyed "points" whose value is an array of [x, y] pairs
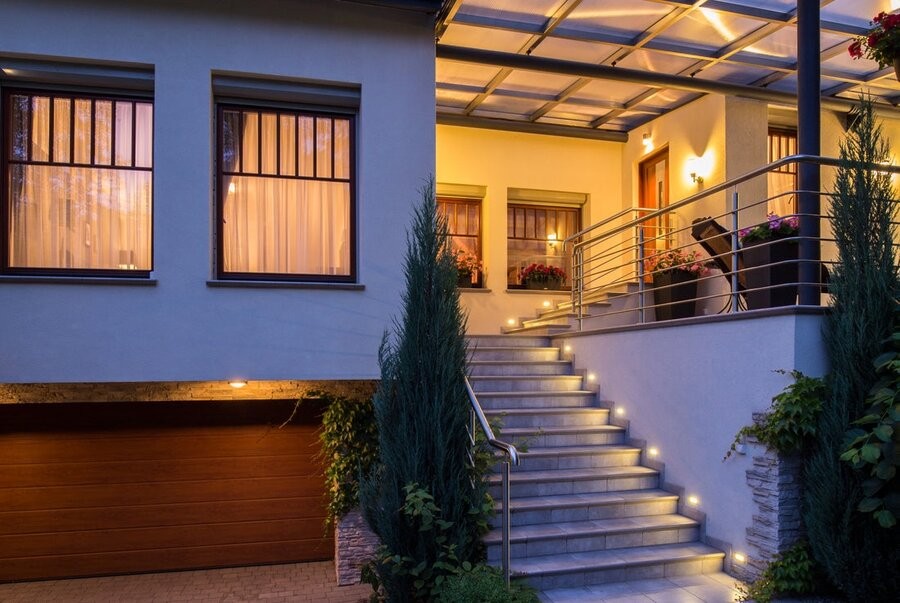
{"points": [[583, 511], [614, 306]]}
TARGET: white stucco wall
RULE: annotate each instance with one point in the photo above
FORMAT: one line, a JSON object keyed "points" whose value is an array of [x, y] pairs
{"points": [[500, 160], [688, 389], [181, 329]]}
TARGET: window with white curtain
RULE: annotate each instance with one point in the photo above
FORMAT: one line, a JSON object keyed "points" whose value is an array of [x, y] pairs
{"points": [[78, 184], [285, 194]]}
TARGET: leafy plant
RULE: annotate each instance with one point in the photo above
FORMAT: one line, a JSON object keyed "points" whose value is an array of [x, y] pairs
{"points": [[676, 259], [882, 43], [790, 573], [542, 273], [422, 412], [467, 262], [349, 439], [790, 425], [775, 227], [858, 556], [484, 584], [874, 445]]}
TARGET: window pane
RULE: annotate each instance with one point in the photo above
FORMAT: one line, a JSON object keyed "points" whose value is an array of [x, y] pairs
{"points": [[269, 134], [40, 128], [250, 146], [102, 132], [473, 220], [307, 146], [18, 140], [288, 126], [82, 131], [286, 226], [143, 140], [62, 123], [323, 148], [342, 148], [231, 150], [124, 123], [79, 217]]}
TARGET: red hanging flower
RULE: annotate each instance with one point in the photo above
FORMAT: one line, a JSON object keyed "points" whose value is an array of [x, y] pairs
{"points": [[882, 43]]}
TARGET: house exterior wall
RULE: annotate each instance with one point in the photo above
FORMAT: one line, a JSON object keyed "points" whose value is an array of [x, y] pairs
{"points": [[181, 329], [687, 390], [500, 160]]}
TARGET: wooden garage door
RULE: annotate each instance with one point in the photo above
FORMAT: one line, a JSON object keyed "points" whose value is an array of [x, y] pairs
{"points": [[105, 488]]}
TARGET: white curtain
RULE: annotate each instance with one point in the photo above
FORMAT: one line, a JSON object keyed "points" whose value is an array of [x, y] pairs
{"points": [[286, 225], [64, 216]]}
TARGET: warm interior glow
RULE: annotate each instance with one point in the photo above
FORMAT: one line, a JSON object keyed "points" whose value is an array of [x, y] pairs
{"points": [[237, 384]]}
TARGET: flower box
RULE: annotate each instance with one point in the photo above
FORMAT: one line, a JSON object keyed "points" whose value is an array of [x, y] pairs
{"points": [[759, 257], [674, 294]]}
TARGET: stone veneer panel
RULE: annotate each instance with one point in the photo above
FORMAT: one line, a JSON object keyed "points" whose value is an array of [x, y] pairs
{"points": [[354, 546], [775, 482]]}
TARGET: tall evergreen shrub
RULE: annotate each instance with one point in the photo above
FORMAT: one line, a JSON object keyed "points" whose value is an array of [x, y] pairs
{"points": [[422, 412], [859, 557]]}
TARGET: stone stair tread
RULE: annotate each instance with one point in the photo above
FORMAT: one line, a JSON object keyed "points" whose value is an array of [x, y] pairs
{"points": [[596, 527], [521, 477], [536, 394], [561, 430], [556, 329], [613, 558], [524, 377], [517, 362], [540, 411], [584, 449], [507, 348], [560, 501]]}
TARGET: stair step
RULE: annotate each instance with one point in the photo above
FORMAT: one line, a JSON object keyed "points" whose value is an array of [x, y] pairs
{"points": [[538, 329], [543, 437], [513, 353], [506, 341], [548, 417], [589, 506], [564, 310], [572, 570], [599, 535], [516, 383], [479, 368], [578, 457], [537, 400], [525, 484]]}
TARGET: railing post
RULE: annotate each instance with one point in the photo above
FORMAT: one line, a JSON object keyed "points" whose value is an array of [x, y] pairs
{"points": [[578, 291], [735, 254], [640, 272], [506, 521]]}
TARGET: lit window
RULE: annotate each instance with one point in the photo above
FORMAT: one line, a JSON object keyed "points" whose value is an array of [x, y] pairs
{"points": [[464, 226], [535, 235], [782, 182], [285, 194], [79, 182]]}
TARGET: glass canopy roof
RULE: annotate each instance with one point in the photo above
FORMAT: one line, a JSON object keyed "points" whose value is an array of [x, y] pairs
{"points": [[749, 43]]}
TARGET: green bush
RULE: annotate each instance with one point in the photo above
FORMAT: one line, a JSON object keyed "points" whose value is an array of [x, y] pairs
{"points": [[791, 573], [349, 447], [790, 425], [483, 584]]}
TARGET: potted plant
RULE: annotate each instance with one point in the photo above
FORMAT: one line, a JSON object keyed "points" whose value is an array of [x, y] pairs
{"points": [[541, 276], [770, 252], [881, 44], [468, 269], [674, 273]]}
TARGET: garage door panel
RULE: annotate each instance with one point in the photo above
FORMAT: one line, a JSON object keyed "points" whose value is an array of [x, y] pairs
{"points": [[32, 568], [105, 518], [61, 498], [64, 448], [110, 541], [105, 488], [161, 471]]}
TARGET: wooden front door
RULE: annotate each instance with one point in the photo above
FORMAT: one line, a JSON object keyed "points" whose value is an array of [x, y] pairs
{"points": [[654, 194]]}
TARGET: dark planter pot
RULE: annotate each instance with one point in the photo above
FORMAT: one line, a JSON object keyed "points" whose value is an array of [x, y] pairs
{"points": [[758, 260], [464, 281], [675, 294], [551, 284]]}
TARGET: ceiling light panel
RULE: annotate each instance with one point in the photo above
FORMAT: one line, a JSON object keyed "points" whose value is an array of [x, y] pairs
{"points": [[574, 50], [622, 16], [661, 62], [733, 73], [619, 92], [510, 105], [466, 74], [710, 29], [537, 82], [485, 38]]}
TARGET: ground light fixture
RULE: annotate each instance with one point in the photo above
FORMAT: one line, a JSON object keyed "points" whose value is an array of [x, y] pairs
{"points": [[620, 411], [739, 557], [653, 451], [237, 383], [693, 500]]}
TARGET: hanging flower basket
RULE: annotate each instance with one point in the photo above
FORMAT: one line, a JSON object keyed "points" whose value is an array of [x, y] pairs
{"points": [[881, 44]]}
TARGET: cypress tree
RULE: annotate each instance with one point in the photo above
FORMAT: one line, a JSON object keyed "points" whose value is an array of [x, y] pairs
{"points": [[422, 411], [859, 556]]}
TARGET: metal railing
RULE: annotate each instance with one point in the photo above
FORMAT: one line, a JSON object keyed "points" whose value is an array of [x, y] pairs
{"points": [[622, 256], [511, 457]]}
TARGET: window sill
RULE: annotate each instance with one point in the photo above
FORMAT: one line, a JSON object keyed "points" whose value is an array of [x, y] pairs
{"points": [[473, 290], [284, 285], [565, 292], [78, 280]]}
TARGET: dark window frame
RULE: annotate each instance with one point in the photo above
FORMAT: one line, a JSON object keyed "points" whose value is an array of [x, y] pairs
{"points": [[72, 93], [279, 109]]}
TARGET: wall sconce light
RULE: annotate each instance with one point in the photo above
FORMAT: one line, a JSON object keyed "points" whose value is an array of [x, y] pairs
{"points": [[237, 384], [647, 141], [698, 168]]}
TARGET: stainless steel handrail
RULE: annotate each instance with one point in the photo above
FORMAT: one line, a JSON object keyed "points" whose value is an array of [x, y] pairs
{"points": [[511, 456]]}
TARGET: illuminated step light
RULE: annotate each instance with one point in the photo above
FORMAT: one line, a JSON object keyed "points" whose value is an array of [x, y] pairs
{"points": [[546, 303], [620, 411], [693, 501], [237, 384], [653, 451], [567, 349], [739, 557], [592, 377], [511, 321]]}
